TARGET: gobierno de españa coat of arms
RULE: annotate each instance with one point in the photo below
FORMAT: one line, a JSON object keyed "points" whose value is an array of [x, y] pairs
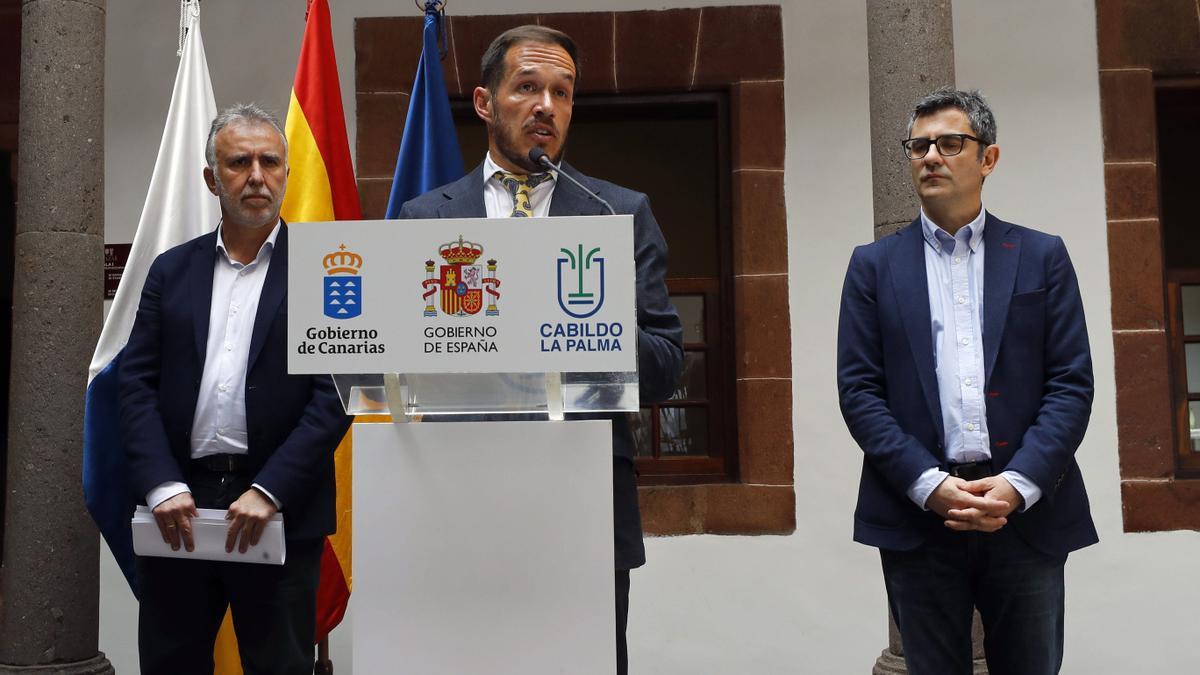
{"points": [[462, 283]]}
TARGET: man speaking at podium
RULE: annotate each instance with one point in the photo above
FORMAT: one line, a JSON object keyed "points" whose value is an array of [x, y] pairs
{"points": [[529, 74]]}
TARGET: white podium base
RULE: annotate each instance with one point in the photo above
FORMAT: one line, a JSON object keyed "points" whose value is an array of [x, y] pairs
{"points": [[483, 547]]}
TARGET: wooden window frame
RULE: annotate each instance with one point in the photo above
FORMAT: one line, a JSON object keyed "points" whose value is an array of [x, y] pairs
{"points": [[1187, 459], [721, 463], [739, 53]]}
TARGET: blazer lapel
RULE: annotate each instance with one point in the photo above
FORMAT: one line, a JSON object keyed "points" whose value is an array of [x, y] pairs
{"points": [[274, 292], [464, 197], [906, 258], [1002, 253], [569, 200], [204, 257]]}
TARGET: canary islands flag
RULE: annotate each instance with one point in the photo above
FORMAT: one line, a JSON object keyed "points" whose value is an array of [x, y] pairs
{"points": [[177, 208]]}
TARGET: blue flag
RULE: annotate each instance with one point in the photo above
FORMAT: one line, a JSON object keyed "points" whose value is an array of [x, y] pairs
{"points": [[429, 154]]}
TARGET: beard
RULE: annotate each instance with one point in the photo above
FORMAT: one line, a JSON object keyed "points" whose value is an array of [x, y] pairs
{"points": [[231, 205], [508, 142]]}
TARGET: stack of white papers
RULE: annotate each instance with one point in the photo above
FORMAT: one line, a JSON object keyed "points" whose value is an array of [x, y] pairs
{"points": [[209, 530]]}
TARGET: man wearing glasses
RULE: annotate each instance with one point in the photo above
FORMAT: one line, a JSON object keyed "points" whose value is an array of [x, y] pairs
{"points": [[965, 376]]}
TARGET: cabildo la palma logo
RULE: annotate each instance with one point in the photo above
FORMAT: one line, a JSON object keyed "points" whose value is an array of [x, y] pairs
{"points": [[586, 278], [580, 283], [460, 286]]}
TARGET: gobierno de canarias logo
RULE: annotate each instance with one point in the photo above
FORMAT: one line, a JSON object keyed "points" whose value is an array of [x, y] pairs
{"points": [[343, 284], [462, 283]]}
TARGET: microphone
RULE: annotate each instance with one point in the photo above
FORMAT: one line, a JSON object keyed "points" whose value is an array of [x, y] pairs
{"points": [[539, 157]]}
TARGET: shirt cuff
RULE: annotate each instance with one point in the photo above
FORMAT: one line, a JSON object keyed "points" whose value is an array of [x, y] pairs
{"points": [[924, 486], [1029, 490], [164, 492], [278, 506]]}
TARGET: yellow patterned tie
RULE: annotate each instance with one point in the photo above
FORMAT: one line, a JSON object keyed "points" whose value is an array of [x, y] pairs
{"points": [[519, 187]]}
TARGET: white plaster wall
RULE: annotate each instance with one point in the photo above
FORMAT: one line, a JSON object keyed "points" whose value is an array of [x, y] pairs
{"points": [[812, 602], [1129, 604]]}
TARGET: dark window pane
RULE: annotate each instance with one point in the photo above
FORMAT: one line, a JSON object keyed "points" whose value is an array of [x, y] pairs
{"points": [[693, 381], [672, 143], [671, 152], [1191, 310], [1177, 110], [691, 313], [640, 424], [684, 432]]}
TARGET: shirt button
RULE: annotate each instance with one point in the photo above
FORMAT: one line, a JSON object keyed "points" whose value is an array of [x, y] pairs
{"points": [[229, 347], [220, 430], [958, 260], [970, 426], [961, 300], [968, 381], [965, 341]]}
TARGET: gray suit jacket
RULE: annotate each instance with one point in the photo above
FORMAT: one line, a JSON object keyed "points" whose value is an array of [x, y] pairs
{"points": [[660, 334]]}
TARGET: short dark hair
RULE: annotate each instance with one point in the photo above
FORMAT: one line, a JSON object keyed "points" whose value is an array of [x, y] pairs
{"points": [[971, 103], [492, 64]]}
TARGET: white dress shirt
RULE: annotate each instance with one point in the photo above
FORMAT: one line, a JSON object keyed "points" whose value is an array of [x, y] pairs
{"points": [[499, 201], [954, 272], [219, 425]]}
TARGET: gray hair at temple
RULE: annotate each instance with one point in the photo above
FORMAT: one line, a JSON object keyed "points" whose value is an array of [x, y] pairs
{"points": [[971, 103], [492, 63], [240, 113]]}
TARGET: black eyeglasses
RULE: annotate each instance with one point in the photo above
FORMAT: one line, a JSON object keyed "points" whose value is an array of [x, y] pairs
{"points": [[948, 145]]}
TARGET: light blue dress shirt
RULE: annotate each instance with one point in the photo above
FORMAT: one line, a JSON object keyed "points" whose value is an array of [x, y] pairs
{"points": [[954, 271]]}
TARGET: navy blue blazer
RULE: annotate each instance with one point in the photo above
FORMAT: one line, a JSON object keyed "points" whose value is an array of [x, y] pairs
{"points": [[1038, 382], [660, 334], [294, 422]]}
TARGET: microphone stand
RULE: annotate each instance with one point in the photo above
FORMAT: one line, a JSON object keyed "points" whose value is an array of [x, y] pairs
{"points": [[538, 156]]}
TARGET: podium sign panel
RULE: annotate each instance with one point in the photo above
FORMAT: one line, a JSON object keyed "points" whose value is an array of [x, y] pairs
{"points": [[484, 547], [506, 295]]}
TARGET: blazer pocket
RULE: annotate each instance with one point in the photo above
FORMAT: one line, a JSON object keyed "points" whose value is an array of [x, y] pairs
{"points": [[1030, 298]]}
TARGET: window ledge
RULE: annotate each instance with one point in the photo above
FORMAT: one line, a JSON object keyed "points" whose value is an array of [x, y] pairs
{"points": [[1159, 505], [718, 509]]}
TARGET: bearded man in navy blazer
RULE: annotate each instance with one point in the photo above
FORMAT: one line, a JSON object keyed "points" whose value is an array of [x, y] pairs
{"points": [[529, 75], [965, 376], [211, 418]]}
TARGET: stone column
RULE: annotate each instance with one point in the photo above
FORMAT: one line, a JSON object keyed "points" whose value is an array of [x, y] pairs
{"points": [[910, 48], [50, 566]]}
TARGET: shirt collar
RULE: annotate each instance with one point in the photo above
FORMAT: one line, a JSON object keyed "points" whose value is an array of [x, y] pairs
{"points": [[943, 242], [490, 168], [267, 247]]}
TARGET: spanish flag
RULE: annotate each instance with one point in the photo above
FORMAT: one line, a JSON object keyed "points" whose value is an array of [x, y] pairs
{"points": [[321, 187]]}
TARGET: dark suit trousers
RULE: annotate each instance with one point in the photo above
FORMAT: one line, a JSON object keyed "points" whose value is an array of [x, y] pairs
{"points": [[628, 546], [1018, 590], [183, 602]]}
